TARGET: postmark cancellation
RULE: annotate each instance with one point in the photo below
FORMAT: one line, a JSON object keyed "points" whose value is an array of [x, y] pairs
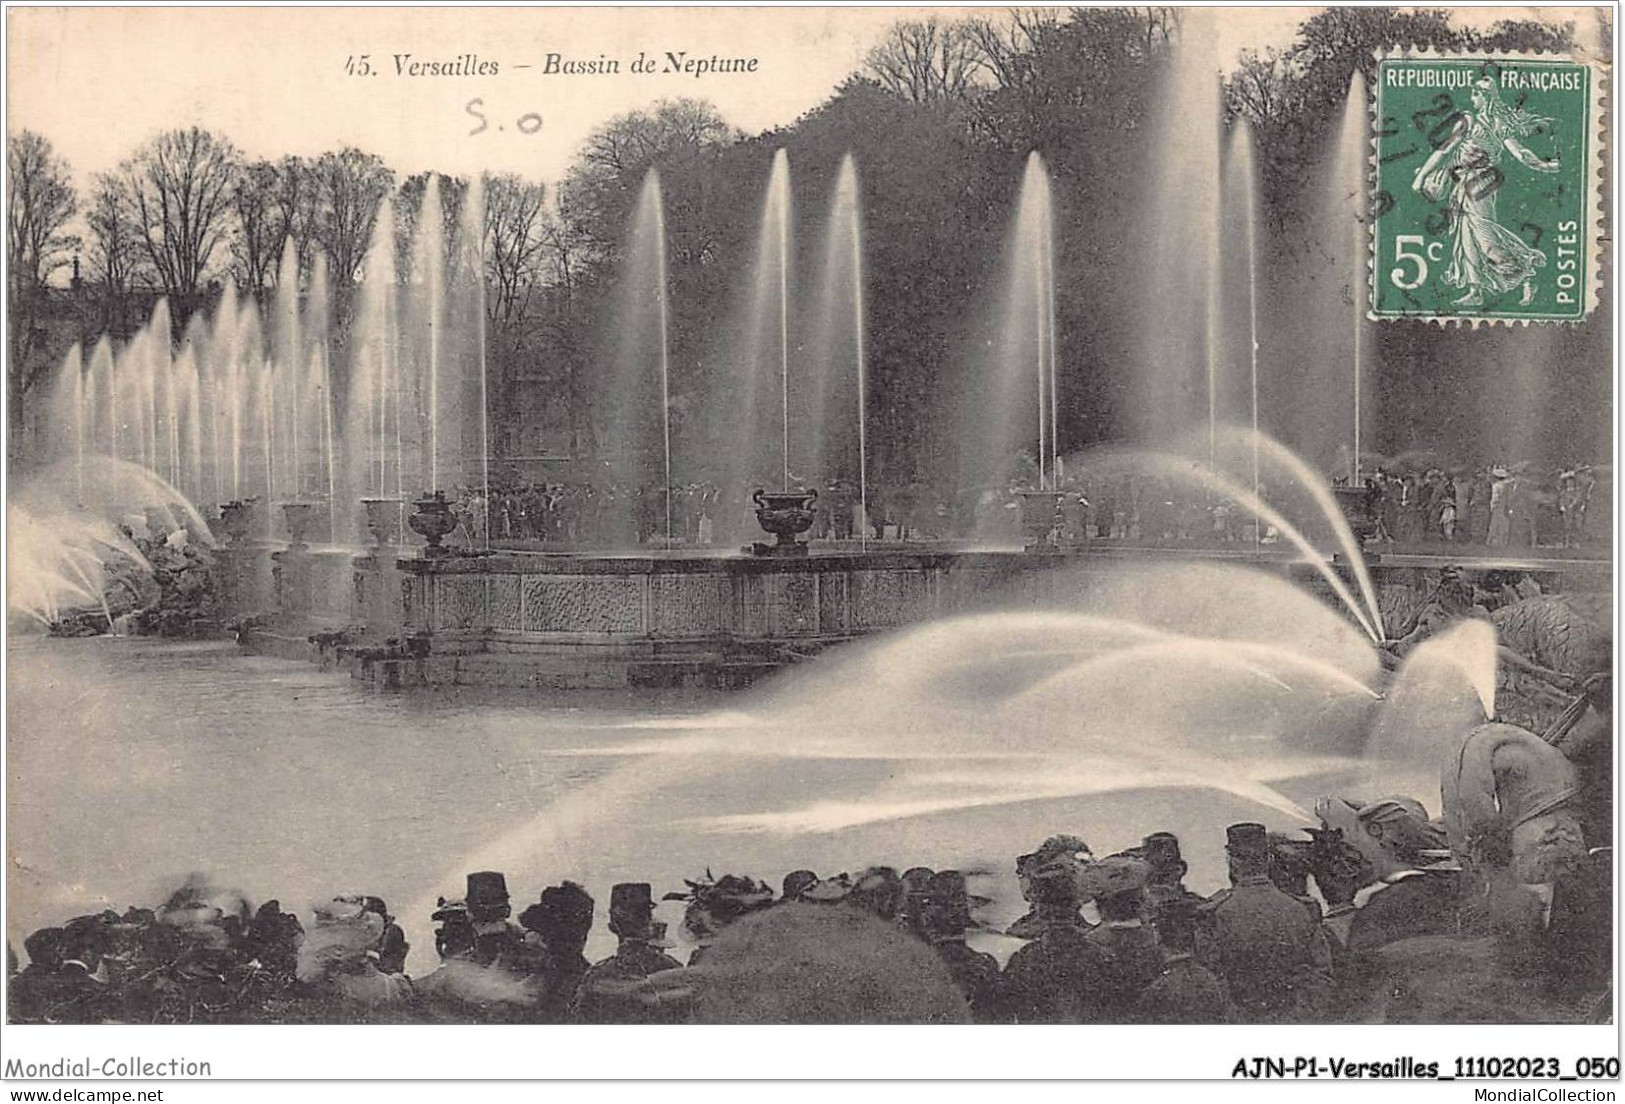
{"points": [[1487, 175]]}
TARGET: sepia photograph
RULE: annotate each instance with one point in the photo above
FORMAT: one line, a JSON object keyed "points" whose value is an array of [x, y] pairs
{"points": [[1090, 516]]}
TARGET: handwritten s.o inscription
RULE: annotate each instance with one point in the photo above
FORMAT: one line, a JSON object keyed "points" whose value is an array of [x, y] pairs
{"points": [[528, 123]]}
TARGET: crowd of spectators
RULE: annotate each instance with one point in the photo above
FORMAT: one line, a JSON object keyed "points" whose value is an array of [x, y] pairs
{"points": [[1493, 506], [1379, 914]]}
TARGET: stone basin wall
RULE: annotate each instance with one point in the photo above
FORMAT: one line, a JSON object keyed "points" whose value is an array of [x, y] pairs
{"points": [[558, 621]]}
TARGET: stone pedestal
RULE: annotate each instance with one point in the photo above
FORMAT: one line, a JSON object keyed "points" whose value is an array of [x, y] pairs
{"points": [[313, 590], [376, 588], [246, 580], [291, 579]]}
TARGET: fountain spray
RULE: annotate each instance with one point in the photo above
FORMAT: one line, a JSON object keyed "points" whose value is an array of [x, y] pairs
{"points": [[849, 180], [781, 200], [478, 228], [665, 355]]}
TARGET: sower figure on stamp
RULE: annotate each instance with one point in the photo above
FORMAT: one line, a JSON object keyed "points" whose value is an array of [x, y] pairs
{"points": [[1487, 258]]}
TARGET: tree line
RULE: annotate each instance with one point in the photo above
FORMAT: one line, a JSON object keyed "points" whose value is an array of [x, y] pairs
{"points": [[939, 118]]}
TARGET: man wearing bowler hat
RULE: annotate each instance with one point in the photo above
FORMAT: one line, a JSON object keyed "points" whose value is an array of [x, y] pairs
{"points": [[610, 992], [1261, 942]]}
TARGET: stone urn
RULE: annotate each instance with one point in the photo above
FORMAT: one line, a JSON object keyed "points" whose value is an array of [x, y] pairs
{"points": [[1358, 510], [302, 518], [785, 514], [383, 520], [1040, 518], [433, 520], [240, 520]]}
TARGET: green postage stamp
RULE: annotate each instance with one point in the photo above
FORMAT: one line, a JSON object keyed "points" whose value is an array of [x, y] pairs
{"points": [[1486, 188]]}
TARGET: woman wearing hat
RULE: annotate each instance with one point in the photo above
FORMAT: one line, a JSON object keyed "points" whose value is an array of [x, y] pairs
{"points": [[713, 904], [338, 954]]}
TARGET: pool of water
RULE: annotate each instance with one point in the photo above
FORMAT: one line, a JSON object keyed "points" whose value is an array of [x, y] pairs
{"points": [[133, 763]]}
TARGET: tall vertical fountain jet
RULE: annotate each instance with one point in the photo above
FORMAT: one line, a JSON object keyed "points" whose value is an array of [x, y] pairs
{"points": [[1353, 165], [637, 390], [849, 214], [749, 419], [1243, 180], [429, 276], [1336, 391], [1180, 374], [837, 359], [1023, 363], [778, 201]]}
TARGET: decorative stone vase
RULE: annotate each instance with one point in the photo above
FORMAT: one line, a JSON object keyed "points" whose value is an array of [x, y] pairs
{"points": [[1358, 510], [433, 520], [383, 520], [240, 520], [785, 514], [1040, 518], [302, 520]]}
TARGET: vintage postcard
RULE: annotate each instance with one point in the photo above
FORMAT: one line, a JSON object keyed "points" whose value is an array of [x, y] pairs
{"points": [[1517, 242], [1009, 516]]}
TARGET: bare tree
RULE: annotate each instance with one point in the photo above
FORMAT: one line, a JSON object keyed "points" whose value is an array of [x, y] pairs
{"points": [[1005, 46], [298, 206], [181, 185], [1161, 24], [261, 231], [409, 213], [926, 60], [116, 254], [1260, 87], [568, 249], [598, 194], [349, 185], [516, 224], [39, 203], [628, 144]]}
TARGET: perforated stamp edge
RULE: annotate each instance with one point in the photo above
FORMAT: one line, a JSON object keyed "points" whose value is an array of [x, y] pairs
{"points": [[1597, 169]]}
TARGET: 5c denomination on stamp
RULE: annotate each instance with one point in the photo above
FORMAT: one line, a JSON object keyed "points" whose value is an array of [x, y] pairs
{"points": [[1485, 208]]}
